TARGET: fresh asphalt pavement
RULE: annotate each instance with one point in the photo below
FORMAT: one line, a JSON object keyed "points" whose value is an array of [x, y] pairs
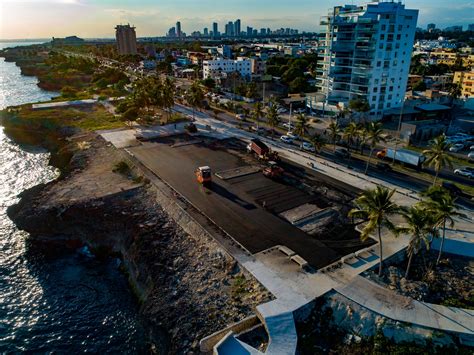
{"points": [[233, 205]]}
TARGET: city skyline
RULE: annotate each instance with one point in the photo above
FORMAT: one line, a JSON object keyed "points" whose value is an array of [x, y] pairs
{"points": [[93, 19]]}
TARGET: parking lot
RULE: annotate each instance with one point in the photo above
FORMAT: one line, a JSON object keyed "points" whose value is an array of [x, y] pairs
{"points": [[246, 207]]}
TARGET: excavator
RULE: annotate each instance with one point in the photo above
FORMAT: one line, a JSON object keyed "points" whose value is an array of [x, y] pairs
{"points": [[203, 175]]}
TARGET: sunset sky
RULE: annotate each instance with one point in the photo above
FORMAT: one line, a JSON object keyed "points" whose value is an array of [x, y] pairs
{"points": [[97, 18]]}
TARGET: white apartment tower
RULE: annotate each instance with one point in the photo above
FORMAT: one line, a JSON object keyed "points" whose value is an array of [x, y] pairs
{"points": [[126, 39], [366, 54]]}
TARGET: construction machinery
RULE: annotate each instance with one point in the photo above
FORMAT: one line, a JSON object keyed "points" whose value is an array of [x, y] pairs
{"points": [[262, 151], [204, 175], [273, 170]]}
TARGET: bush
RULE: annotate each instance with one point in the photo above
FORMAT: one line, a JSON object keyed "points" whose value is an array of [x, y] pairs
{"points": [[122, 167]]}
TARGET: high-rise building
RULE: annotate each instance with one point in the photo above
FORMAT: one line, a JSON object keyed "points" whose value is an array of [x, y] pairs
{"points": [[249, 31], [215, 29], [206, 32], [367, 51], [126, 39], [430, 27], [237, 28], [453, 29], [470, 27], [263, 31], [178, 29], [229, 29]]}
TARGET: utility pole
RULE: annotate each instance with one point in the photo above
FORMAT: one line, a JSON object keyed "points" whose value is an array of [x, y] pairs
{"points": [[289, 119], [399, 131]]}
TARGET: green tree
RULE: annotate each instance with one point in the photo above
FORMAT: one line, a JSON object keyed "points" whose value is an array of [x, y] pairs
{"points": [[168, 93], [360, 106], [334, 133], [438, 155], [350, 133], [419, 86], [419, 226], [273, 117], [318, 142], [257, 112], [195, 97], [443, 209], [455, 92], [374, 136], [302, 125], [377, 208]]}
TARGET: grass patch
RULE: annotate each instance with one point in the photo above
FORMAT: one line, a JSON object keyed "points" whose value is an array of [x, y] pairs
{"points": [[239, 287]]}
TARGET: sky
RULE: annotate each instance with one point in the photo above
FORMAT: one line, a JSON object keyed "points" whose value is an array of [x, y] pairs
{"points": [[97, 18]]}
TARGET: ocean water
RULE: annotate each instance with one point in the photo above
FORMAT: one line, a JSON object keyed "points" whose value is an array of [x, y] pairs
{"points": [[72, 303]]}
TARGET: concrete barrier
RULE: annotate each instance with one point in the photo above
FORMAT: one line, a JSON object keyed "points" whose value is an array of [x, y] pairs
{"points": [[207, 344]]}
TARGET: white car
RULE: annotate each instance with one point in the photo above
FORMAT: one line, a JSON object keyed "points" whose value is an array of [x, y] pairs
{"points": [[472, 147], [466, 172], [240, 117], [286, 139], [287, 125], [456, 148], [308, 147], [470, 156], [282, 110], [293, 136]]}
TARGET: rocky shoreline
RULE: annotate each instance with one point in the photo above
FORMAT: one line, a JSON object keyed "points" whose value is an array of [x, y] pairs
{"points": [[188, 286]]}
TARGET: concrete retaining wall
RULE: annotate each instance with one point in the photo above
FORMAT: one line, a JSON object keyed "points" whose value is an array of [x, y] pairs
{"points": [[207, 344]]}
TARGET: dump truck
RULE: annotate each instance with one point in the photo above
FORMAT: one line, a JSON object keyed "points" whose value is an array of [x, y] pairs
{"points": [[273, 171], [203, 175], [404, 156], [261, 150]]}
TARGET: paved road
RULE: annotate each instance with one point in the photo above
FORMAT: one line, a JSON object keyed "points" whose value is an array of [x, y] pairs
{"points": [[233, 205]]}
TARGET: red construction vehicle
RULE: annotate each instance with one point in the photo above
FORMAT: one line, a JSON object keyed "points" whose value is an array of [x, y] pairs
{"points": [[261, 150], [204, 175], [273, 171]]}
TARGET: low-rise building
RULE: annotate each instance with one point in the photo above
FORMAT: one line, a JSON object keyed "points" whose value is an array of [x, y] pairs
{"points": [[466, 81], [220, 67]]}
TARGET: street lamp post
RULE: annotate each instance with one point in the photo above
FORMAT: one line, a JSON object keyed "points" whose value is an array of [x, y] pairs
{"points": [[289, 118]]}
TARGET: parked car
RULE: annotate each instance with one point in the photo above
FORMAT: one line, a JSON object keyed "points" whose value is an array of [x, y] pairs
{"points": [[282, 110], [454, 189], [308, 147], [471, 147], [342, 153], [240, 117], [456, 148], [286, 139], [383, 167], [287, 125], [466, 172], [470, 156]]}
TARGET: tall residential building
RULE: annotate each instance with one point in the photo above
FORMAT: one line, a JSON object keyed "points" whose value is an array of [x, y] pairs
{"points": [[178, 29], [367, 51], [237, 28], [126, 39], [249, 31], [215, 29], [470, 27], [206, 32], [465, 80]]}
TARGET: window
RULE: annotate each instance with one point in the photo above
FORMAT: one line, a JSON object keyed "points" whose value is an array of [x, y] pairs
{"points": [[390, 88], [382, 37], [379, 64], [374, 98], [375, 89], [384, 27]]}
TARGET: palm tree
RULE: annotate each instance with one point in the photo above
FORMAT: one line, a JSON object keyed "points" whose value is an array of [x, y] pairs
{"points": [[376, 207], [374, 136], [438, 156], [350, 133], [257, 112], [273, 117], [362, 138], [318, 142], [419, 226], [167, 94], [302, 125], [334, 132], [443, 209], [195, 96]]}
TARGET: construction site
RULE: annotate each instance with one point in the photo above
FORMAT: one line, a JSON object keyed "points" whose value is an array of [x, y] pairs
{"points": [[261, 201]]}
